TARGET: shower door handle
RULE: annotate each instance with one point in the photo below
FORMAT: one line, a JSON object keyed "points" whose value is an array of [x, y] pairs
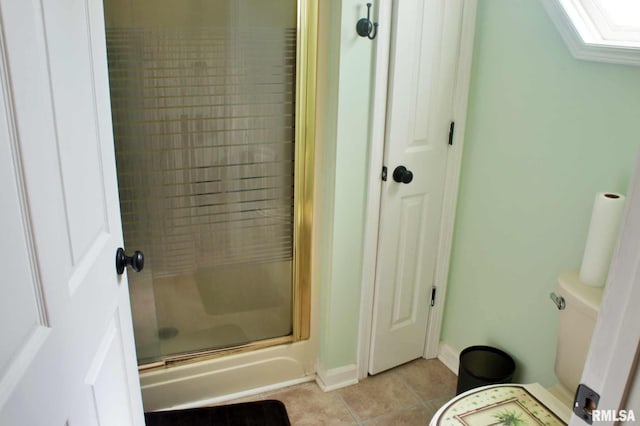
{"points": [[122, 261]]}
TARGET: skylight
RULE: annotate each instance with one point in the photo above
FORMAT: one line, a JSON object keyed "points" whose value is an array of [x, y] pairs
{"points": [[601, 30], [622, 13]]}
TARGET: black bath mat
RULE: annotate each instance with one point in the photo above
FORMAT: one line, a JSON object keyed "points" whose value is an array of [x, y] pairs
{"points": [[259, 413]]}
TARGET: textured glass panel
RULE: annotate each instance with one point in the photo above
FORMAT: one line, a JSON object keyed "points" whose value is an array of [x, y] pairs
{"points": [[203, 115]]}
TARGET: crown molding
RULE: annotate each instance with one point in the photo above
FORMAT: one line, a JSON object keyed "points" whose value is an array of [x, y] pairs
{"points": [[597, 49]]}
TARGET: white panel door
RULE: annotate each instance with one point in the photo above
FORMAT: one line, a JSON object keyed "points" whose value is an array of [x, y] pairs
{"points": [[67, 355], [424, 52]]}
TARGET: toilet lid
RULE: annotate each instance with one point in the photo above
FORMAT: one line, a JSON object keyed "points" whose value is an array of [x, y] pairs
{"points": [[508, 405]]}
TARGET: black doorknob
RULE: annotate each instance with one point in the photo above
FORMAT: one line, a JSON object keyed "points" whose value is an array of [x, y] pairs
{"points": [[402, 175], [122, 261]]}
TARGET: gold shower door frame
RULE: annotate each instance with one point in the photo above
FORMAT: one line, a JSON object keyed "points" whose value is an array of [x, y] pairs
{"points": [[305, 122]]}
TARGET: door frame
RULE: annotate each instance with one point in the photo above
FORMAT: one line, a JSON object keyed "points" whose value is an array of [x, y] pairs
{"points": [[452, 179]]}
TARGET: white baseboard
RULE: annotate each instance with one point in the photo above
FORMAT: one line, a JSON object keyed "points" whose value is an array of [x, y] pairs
{"points": [[336, 378], [449, 357]]}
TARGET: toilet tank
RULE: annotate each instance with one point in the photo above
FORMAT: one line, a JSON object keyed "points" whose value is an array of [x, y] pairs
{"points": [[575, 328]]}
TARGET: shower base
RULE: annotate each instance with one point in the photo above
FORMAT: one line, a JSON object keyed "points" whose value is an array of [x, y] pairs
{"points": [[210, 309], [229, 377]]}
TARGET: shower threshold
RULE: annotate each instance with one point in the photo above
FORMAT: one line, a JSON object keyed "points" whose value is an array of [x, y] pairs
{"points": [[205, 355]]}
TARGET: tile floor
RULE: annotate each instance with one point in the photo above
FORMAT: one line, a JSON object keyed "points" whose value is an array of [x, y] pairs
{"points": [[406, 395]]}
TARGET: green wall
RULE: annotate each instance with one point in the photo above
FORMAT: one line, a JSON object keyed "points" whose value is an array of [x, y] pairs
{"points": [[545, 132], [344, 87]]}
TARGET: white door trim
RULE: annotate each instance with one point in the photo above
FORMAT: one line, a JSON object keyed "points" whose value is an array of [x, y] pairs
{"points": [[372, 214], [452, 178]]}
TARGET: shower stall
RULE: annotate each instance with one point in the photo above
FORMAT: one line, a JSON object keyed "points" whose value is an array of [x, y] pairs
{"points": [[207, 102]]}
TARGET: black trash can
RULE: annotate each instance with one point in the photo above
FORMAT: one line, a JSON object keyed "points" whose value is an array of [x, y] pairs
{"points": [[484, 365]]}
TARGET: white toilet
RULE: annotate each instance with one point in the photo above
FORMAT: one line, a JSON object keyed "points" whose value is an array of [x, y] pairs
{"points": [[532, 403]]}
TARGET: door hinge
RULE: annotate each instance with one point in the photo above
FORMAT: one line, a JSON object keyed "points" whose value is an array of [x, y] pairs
{"points": [[433, 296], [384, 173], [451, 128]]}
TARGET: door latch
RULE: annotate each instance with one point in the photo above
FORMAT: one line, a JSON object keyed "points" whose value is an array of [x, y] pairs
{"points": [[585, 402]]}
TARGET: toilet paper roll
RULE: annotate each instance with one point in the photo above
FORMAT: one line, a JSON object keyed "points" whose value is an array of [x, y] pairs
{"points": [[601, 239]]}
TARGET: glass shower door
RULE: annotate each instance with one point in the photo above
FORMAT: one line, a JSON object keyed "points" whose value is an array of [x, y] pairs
{"points": [[203, 110]]}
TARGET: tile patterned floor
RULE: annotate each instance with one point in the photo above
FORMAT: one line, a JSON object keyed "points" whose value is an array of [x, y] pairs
{"points": [[406, 395]]}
